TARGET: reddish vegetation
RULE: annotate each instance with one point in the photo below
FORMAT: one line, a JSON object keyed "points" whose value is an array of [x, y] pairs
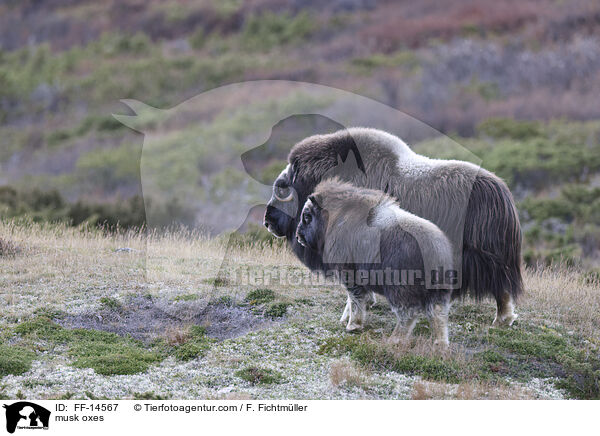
{"points": [[413, 25], [527, 59], [384, 25]]}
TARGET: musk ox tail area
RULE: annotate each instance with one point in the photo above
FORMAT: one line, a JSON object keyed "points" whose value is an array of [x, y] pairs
{"points": [[491, 258]]}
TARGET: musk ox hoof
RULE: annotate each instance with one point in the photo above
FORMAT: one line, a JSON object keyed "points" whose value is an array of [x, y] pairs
{"points": [[354, 327], [504, 320]]}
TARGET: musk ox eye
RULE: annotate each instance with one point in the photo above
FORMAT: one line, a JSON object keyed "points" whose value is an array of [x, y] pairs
{"points": [[306, 218], [282, 193]]}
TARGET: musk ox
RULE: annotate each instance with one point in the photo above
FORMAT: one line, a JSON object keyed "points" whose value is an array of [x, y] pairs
{"points": [[372, 245], [472, 206]]}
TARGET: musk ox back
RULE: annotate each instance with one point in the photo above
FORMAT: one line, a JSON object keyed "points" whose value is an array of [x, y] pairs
{"points": [[372, 245], [472, 206]]}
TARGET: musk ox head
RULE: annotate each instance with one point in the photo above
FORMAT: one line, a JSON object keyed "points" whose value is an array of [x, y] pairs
{"points": [[336, 223], [310, 161], [313, 224], [282, 209]]}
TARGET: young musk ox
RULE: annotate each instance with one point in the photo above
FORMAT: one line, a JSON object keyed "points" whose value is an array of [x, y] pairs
{"points": [[472, 206], [373, 245]]}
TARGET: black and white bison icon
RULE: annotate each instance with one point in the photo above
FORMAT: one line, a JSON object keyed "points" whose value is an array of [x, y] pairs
{"points": [[26, 414], [341, 221], [472, 206]]}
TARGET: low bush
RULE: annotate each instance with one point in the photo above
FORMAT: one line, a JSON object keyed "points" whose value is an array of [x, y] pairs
{"points": [[14, 360], [106, 353], [260, 296], [259, 376], [277, 310], [268, 30]]}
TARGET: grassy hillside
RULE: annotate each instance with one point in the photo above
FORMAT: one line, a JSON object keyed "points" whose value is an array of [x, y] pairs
{"points": [[93, 307], [513, 82], [131, 316]]}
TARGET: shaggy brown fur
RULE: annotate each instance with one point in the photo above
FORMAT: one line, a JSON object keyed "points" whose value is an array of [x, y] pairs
{"points": [[473, 207], [363, 231]]}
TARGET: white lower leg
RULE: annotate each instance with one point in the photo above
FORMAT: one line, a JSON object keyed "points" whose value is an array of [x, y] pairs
{"points": [[346, 313], [440, 328], [505, 311], [373, 301], [358, 314]]}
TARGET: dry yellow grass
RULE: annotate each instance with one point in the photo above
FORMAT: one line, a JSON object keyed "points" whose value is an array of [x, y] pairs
{"points": [[175, 335], [58, 264], [69, 261], [560, 295], [424, 390], [345, 373], [71, 268]]}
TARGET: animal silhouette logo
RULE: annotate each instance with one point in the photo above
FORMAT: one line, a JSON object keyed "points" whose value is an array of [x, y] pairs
{"points": [[217, 152], [26, 415]]}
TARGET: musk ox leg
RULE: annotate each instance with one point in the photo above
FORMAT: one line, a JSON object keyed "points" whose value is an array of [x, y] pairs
{"points": [[505, 311], [358, 309], [405, 325], [439, 323], [346, 314], [371, 301]]}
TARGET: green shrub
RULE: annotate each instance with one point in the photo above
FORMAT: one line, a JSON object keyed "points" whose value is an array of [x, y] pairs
{"points": [[583, 379], [277, 310], [111, 304], [50, 206], [111, 44], [374, 355], [260, 296], [541, 209], [217, 281], [112, 357], [186, 297], [122, 213], [366, 65], [196, 345], [545, 345], [268, 30], [148, 396], [190, 350], [198, 39], [106, 353], [14, 360], [508, 128], [272, 170], [109, 169], [226, 300]]}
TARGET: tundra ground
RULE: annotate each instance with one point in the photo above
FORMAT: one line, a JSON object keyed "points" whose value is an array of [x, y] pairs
{"points": [[87, 314]]}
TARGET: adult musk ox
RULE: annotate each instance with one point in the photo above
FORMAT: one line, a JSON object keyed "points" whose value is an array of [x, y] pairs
{"points": [[373, 245], [472, 206]]}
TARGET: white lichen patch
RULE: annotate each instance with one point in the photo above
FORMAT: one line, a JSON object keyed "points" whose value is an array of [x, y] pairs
{"points": [[305, 374], [163, 287]]}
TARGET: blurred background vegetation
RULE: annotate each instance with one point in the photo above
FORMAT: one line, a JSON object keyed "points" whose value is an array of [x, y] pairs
{"points": [[515, 82]]}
